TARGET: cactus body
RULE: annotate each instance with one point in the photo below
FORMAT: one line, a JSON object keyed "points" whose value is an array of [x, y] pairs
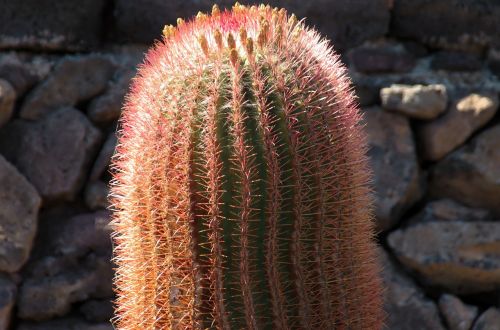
{"points": [[240, 190]]}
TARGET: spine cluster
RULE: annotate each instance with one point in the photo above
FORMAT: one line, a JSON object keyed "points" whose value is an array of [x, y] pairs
{"points": [[240, 193]]}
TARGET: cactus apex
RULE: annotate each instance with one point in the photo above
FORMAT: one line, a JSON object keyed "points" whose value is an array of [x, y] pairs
{"points": [[234, 57], [215, 10], [201, 16], [263, 32], [237, 7], [243, 35], [203, 44], [168, 31], [218, 38], [282, 13], [249, 46], [231, 43]]}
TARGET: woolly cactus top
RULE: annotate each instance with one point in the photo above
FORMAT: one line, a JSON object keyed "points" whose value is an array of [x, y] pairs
{"points": [[240, 192]]}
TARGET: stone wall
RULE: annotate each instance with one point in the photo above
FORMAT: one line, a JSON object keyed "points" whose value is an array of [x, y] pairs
{"points": [[426, 76]]}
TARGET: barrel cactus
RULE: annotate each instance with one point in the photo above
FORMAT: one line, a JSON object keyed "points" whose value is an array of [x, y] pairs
{"points": [[240, 191]]}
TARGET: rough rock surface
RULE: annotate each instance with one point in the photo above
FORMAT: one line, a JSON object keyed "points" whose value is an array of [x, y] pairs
{"points": [[471, 174], [18, 76], [458, 316], [7, 101], [378, 60], [104, 158], [45, 298], [96, 195], [405, 305], [392, 152], [74, 79], [54, 153], [19, 204], [457, 255], [489, 320], [456, 61], [464, 117], [450, 210], [453, 24], [493, 61], [107, 107], [7, 299], [346, 22], [416, 101], [73, 266], [53, 25], [97, 310], [69, 323]]}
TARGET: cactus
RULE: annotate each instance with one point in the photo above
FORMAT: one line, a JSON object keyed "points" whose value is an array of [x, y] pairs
{"points": [[240, 188]]}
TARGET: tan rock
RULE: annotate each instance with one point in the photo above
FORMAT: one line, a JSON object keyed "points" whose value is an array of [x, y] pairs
{"points": [[7, 101], [464, 117], [458, 316], [471, 174], [457, 255], [449, 210], [417, 101]]}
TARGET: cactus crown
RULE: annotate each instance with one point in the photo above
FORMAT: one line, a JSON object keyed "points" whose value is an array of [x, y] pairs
{"points": [[240, 188]]}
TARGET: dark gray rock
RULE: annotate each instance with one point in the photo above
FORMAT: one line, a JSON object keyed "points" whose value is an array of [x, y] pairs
{"points": [[54, 153], [18, 76], [489, 320], [97, 310], [456, 61], [83, 233], [493, 61], [471, 174], [381, 60], [74, 266], [465, 116], [458, 316], [8, 292], [457, 255], [51, 25], [96, 195], [405, 305], [68, 323], [45, 298], [19, 204], [366, 89], [7, 101], [74, 79], [107, 107], [396, 173], [103, 160], [452, 24], [347, 22]]}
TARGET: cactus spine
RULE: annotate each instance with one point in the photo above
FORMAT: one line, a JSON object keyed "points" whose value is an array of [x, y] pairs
{"points": [[240, 192]]}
